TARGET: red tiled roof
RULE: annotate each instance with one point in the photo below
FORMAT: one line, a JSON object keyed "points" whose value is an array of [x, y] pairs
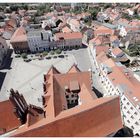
{"points": [[113, 38], [116, 51], [101, 49], [8, 120], [73, 69], [100, 40], [122, 20], [101, 30], [102, 57], [75, 22], [12, 23], [93, 119], [19, 35], [96, 41], [124, 78], [73, 35], [66, 30]]}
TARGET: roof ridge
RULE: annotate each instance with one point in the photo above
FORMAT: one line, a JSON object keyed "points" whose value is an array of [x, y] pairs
{"points": [[54, 70], [75, 68]]}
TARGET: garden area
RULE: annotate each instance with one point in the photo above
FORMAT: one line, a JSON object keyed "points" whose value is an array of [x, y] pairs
{"points": [[133, 50]]}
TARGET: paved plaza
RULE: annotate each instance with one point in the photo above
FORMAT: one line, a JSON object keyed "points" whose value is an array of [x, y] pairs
{"points": [[27, 77]]}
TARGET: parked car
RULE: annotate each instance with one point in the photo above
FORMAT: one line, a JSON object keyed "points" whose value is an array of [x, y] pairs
{"points": [[55, 57], [48, 57], [27, 60], [61, 56], [17, 56]]}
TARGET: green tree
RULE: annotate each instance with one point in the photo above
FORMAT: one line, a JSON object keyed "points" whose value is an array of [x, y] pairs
{"points": [[25, 6], [39, 13], [52, 52], [94, 12], [14, 7], [126, 16], [58, 51], [24, 55], [107, 5], [45, 53]]}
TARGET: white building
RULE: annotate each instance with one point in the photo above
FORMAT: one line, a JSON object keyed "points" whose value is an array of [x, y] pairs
{"points": [[130, 12], [117, 80], [39, 40], [48, 22], [123, 31]]}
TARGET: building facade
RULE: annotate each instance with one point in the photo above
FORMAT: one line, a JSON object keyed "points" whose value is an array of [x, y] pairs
{"points": [[19, 41], [117, 80], [39, 40], [68, 40], [3, 50]]}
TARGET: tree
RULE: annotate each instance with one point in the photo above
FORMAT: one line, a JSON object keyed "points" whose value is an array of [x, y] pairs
{"points": [[6, 10], [58, 51], [107, 5], [39, 13], [24, 55], [25, 7], [94, 12], [52, 52], [45, 53], [126, 16], [14, 7]]}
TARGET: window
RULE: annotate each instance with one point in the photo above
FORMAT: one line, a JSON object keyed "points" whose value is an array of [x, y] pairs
{"points": [[124, 107], [136, 113], [131, 108], [128, 103], [136, 123], [124, 99], [132, 117], [128, 121], [124, 116], [72, 95], [67, 96], [128, 112], [132, 127]]}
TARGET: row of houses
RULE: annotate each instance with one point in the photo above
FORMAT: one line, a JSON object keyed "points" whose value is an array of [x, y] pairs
{"points": [[53, 31], [41, 40], [108, 60], [118, 80]]}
